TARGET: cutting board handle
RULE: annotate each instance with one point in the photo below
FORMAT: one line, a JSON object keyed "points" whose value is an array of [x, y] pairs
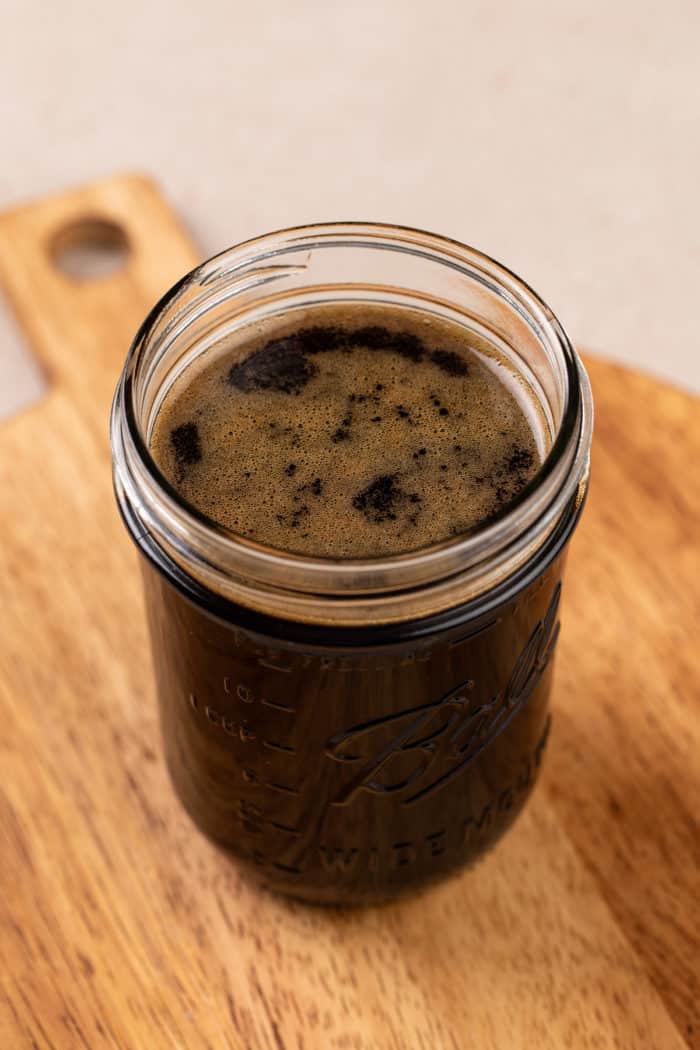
{"points": [[81, 323]]}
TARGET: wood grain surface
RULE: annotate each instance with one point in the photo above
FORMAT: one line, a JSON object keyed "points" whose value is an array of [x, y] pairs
{"points": [[121, 926]]}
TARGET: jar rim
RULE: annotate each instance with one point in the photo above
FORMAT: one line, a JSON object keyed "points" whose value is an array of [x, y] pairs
{"points": [[216, 554]]}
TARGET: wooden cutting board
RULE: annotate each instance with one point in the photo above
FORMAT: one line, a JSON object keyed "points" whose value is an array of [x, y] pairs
{"points": [[121, 926]]}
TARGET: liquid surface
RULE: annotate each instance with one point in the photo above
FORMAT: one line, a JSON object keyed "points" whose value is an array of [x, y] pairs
{"points": [[356, 432]]}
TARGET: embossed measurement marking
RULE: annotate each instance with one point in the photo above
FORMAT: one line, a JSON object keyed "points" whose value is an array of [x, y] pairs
{"points": [[286, 789], [277, 706], [285, 668], [247, 696], [234, 727], [284, 827]]}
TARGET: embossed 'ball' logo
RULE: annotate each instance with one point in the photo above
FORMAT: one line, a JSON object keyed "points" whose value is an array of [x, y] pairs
{"points": [[404, 755]]}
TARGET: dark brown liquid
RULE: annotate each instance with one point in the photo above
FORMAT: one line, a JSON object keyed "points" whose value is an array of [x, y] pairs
{"points": [[347, 774], [349, 432]]}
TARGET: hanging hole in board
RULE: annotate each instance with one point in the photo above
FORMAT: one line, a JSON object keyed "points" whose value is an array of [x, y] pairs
{"points": [[90, 249]]}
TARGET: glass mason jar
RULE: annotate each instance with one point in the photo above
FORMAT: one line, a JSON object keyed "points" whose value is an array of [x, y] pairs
{"points": [[350, 729]]}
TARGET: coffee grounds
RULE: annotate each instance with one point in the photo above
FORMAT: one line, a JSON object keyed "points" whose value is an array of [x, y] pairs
{"points": [[450, 362], [511, 476], [379, 501], [282, 365], [520, 460], [186, 444]]}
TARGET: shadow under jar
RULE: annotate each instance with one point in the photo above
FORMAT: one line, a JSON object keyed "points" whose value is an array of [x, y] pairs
{"points": [[353, 729]]}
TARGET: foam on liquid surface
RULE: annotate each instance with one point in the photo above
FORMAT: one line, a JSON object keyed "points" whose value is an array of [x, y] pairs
{"points": [[359, 431]]}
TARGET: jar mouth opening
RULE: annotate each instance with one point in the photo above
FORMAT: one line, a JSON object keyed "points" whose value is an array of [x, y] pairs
{"points": [[262, 261]]}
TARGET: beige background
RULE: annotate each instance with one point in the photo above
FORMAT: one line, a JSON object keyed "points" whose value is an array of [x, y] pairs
{"points": [[562, 137]]}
